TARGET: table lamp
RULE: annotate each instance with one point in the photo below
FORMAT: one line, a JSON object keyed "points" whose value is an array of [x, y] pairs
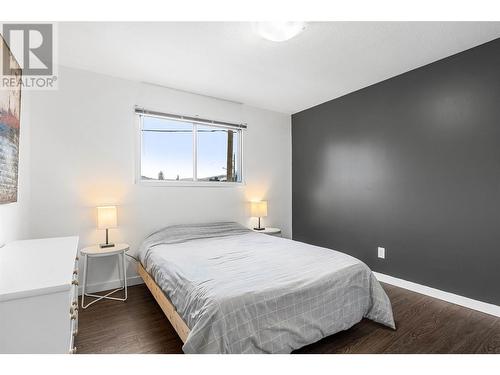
{"points": [[106, 218], [258, 209]]}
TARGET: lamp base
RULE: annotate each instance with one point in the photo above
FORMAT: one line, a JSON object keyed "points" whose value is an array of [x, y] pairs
{"points": [[107, 244], [259, 227], [104, 245]]}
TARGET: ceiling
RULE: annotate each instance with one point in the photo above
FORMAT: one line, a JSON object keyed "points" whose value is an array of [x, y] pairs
{"points": [[228, 60]]}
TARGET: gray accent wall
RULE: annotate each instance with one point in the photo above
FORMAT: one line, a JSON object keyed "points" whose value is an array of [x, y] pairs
{"points": [[411, 164]]}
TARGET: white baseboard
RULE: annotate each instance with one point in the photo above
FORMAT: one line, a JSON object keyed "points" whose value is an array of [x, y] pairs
{"points": [[113, 284], [484, 307]]}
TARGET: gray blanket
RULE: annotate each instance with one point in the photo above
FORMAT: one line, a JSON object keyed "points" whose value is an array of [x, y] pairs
{"points": [[245, 292]]}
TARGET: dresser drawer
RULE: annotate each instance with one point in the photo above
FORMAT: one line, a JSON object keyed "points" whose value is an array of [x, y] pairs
{"points": [[39, 314], [73, 328], [73, 308], [74, 283]]}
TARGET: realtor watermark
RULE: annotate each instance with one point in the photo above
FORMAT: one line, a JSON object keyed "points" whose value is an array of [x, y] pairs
{"points": [[28, 56]]}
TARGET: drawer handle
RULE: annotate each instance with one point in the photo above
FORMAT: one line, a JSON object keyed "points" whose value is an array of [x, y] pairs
{"points": [[72, 351], [74, 282]]}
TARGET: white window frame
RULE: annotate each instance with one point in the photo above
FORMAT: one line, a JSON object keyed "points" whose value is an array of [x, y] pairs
{"points": [[138, 117]]}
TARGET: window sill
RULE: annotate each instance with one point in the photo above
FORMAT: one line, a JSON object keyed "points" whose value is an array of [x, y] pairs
{"points": [[214, 184]]}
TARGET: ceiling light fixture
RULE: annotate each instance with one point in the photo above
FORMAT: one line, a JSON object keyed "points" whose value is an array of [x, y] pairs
{"points": [[279, 31]]}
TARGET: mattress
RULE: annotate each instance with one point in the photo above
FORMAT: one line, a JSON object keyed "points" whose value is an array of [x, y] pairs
{"points": [[244, 292]]}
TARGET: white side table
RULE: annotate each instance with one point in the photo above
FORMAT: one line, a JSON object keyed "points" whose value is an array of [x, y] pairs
{"points": [[272, 231], [98, 252]]}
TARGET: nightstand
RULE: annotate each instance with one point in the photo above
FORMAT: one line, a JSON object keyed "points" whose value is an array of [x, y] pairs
{"points": [[271, 231], [97, 252]]}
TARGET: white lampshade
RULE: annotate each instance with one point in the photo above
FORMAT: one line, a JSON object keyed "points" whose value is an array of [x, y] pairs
{"points": [[106, 217], [279, 31], [258, 209]]}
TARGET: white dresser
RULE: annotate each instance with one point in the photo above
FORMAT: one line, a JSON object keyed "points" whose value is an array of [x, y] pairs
{"points": [[39, 296]]}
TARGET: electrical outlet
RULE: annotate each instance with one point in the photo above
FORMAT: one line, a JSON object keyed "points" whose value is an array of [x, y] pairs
{"points": [[381, 252]]}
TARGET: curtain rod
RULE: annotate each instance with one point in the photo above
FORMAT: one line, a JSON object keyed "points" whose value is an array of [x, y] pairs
{"points": [[188, 118]]}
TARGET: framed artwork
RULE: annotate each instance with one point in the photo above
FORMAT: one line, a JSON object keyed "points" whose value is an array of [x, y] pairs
{"points": [[10, 109]]}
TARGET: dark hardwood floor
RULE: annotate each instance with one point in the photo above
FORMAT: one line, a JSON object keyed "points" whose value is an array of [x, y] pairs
{"points": [[424, 325]]}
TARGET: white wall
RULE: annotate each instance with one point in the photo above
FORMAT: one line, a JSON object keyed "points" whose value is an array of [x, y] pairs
{"points": [[14, 223], [83, 155]]}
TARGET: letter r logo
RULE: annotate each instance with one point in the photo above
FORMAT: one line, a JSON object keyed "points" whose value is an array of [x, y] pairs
{"points": [[32, 45]]}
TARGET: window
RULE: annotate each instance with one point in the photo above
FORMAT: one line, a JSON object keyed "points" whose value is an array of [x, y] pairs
{"points": [[187, 149]]}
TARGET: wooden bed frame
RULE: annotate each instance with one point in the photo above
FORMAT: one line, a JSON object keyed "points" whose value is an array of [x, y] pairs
{"points": [[168, 309]]}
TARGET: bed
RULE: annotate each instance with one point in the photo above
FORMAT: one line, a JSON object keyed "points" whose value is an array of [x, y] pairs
{"points": [[227, 289]]}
